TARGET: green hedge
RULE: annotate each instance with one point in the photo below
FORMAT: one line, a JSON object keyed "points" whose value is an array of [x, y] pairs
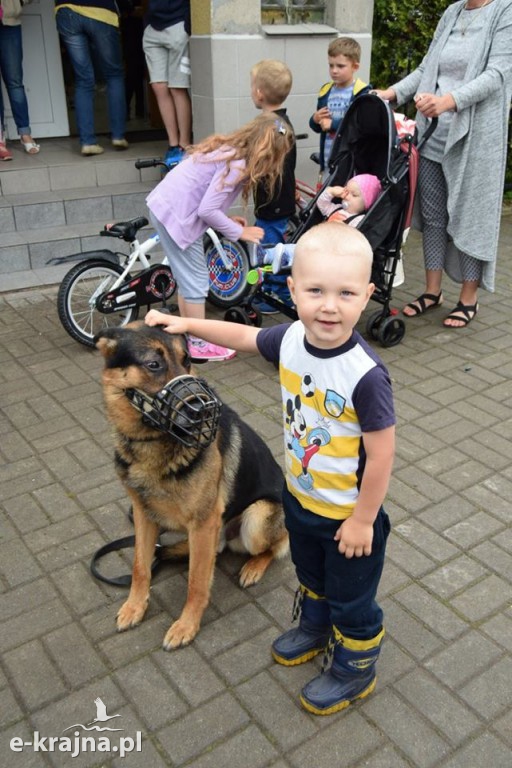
{"points": [[401, 35]]}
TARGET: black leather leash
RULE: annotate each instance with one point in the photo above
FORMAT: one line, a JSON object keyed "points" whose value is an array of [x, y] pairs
{"points": [[115, 546]]}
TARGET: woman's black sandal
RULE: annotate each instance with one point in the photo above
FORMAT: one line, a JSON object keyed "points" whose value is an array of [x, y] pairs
{"points": [[423, 306], [468, 310]]}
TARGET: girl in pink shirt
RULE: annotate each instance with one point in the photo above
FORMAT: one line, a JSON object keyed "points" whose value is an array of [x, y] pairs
{"points": [[197, 194]]}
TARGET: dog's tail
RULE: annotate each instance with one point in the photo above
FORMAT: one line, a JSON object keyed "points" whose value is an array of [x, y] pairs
{"points": [[178, 551]]}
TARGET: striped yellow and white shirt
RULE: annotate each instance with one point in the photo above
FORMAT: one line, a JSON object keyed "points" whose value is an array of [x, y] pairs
{"points": [[330, 398]]}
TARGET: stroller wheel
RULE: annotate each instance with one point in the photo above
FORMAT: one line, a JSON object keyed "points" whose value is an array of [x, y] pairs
{"points": [[373, 324], [391, 331], [243, 316]]}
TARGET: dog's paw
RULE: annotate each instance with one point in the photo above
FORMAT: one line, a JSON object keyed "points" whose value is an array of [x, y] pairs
{"points": [[130, 615], [180, 633], [253, 570]]}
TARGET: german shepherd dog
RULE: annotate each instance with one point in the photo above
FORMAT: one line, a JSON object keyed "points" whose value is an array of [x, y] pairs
{"points": [[221, 486]]}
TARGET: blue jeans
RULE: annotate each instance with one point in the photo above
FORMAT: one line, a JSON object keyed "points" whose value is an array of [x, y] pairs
{"points": [[11, 70], [87, 42], [274, 230], [274, 233]]}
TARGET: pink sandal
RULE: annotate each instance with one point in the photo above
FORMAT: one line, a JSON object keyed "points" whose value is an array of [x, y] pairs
{"points": [[5, 154]]}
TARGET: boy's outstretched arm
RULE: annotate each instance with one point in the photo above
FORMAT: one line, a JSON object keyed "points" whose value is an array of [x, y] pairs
{"points": [[355, 535], [234, 335]]}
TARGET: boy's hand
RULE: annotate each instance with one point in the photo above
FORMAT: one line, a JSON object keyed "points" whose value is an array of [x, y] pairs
{"points": [[170, 323], [321, 114], [252, 234], [239, 220], [355, 538], [325, 124]]}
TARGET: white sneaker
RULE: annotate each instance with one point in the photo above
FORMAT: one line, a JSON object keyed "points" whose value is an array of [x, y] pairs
{"points": [[203, 352], [282, 257], [257, 255], [91, 149]]}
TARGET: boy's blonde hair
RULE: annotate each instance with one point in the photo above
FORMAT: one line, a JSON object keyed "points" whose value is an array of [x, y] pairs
{"points": [[345, 46], [274, 79], [338, 239], [263, 144]]}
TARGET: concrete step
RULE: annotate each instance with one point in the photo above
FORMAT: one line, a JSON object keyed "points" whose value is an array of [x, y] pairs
{"points": [[59, 166], [55, 203], [32, 211], [39, 226]]}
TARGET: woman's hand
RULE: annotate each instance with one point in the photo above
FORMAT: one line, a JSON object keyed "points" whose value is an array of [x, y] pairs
{"points": [[431, 105], [252, 234], [239, 220], [387, 94]]}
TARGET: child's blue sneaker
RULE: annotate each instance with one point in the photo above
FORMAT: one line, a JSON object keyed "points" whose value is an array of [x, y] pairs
{"points": [[268, 309], [173, 156], [264, 308]]}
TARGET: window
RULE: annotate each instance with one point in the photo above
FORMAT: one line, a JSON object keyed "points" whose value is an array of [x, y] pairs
{"points": [[292, 11]]}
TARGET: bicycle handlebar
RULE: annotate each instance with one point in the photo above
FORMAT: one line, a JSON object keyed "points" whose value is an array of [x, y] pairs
{"points": [[153, 163]]}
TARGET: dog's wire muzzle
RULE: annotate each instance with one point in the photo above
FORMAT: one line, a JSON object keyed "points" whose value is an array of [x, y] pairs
{"points": [[186, 408]]}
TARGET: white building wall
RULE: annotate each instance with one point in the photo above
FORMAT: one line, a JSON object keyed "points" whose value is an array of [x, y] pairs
{"points": [[221, 64]]}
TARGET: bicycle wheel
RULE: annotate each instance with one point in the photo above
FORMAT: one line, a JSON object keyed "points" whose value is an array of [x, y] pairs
{"points": [[76, 300], [228, 285]]}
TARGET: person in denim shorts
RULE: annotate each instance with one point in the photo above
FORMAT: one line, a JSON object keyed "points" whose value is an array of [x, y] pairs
{"points": [[199, 193], [165, 43]]}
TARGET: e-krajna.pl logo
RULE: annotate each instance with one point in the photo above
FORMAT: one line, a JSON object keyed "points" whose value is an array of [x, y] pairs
{"points": [[78, 744]]}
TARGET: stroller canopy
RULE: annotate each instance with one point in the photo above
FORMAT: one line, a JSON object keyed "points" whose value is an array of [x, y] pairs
{"points": [[366, 142]]}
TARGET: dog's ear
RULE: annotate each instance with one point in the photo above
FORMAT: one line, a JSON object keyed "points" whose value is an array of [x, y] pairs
{"points": [[106, 346], [187, 361], [108, 340]]}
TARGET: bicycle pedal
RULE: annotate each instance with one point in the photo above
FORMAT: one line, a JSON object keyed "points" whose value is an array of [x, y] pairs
{"points": [[168, 310]]}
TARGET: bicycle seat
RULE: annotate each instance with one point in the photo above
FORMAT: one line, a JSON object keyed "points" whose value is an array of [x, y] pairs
{"points": [[125, 230]]}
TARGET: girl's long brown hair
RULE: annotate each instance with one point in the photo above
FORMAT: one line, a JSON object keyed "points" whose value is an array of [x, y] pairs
{"points": [[263, 144]]}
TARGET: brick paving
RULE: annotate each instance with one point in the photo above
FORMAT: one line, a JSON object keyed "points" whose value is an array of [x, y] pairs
{"points": [[444, 692]]}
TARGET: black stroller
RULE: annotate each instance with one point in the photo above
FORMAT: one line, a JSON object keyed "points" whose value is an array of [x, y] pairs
{"points": [[367, 142]]}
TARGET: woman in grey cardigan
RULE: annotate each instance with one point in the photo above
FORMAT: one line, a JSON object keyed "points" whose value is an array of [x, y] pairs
{"points": [[465, 80]]}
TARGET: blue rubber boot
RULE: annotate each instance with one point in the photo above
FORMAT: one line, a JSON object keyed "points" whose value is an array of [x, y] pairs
{"points": [[350, 677], [311, 636]]}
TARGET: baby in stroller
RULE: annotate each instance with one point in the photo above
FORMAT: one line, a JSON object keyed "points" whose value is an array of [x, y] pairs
{"points": [[346, 204]]}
